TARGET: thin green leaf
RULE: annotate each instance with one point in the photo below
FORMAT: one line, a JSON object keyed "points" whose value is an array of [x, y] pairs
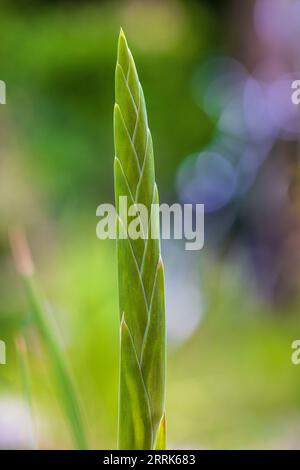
{"points": [[161, 434], [21, 349], [63, 380], [140, 269], [64, 383]]}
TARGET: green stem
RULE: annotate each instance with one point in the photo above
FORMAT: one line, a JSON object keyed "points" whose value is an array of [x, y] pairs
{"points": [[60, 370]]}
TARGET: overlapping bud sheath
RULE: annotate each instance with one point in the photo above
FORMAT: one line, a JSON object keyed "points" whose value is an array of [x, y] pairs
{"points": [[140, 268]]}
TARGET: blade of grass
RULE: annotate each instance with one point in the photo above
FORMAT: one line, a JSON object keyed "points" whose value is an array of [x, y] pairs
{"points": [[161, 435], [64, 383], [21, 349], [140, 270]]}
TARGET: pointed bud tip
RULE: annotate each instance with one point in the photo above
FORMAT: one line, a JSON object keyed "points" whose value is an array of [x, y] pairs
{"points": [[117, 165], [122, 39], [123, 52], [122, 323], [160, 263]]}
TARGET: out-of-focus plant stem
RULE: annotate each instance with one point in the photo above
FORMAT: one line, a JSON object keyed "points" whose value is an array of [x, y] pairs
{"points": [[40, 316]]}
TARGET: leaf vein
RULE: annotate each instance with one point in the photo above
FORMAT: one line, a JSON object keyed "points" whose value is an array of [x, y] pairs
{"points": [[131, 141], [137, 267], [127, 86]]}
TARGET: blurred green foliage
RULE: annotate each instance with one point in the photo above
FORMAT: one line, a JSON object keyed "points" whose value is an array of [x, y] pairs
{"points": [[56, 167]]}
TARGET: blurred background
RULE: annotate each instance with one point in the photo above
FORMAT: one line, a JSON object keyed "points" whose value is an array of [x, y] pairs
{"points": [[217, 79]]}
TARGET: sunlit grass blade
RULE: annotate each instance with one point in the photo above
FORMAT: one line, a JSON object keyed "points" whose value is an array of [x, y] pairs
{"points": [[140, 269], [161, 434], [21, 349], [64, 385]]}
